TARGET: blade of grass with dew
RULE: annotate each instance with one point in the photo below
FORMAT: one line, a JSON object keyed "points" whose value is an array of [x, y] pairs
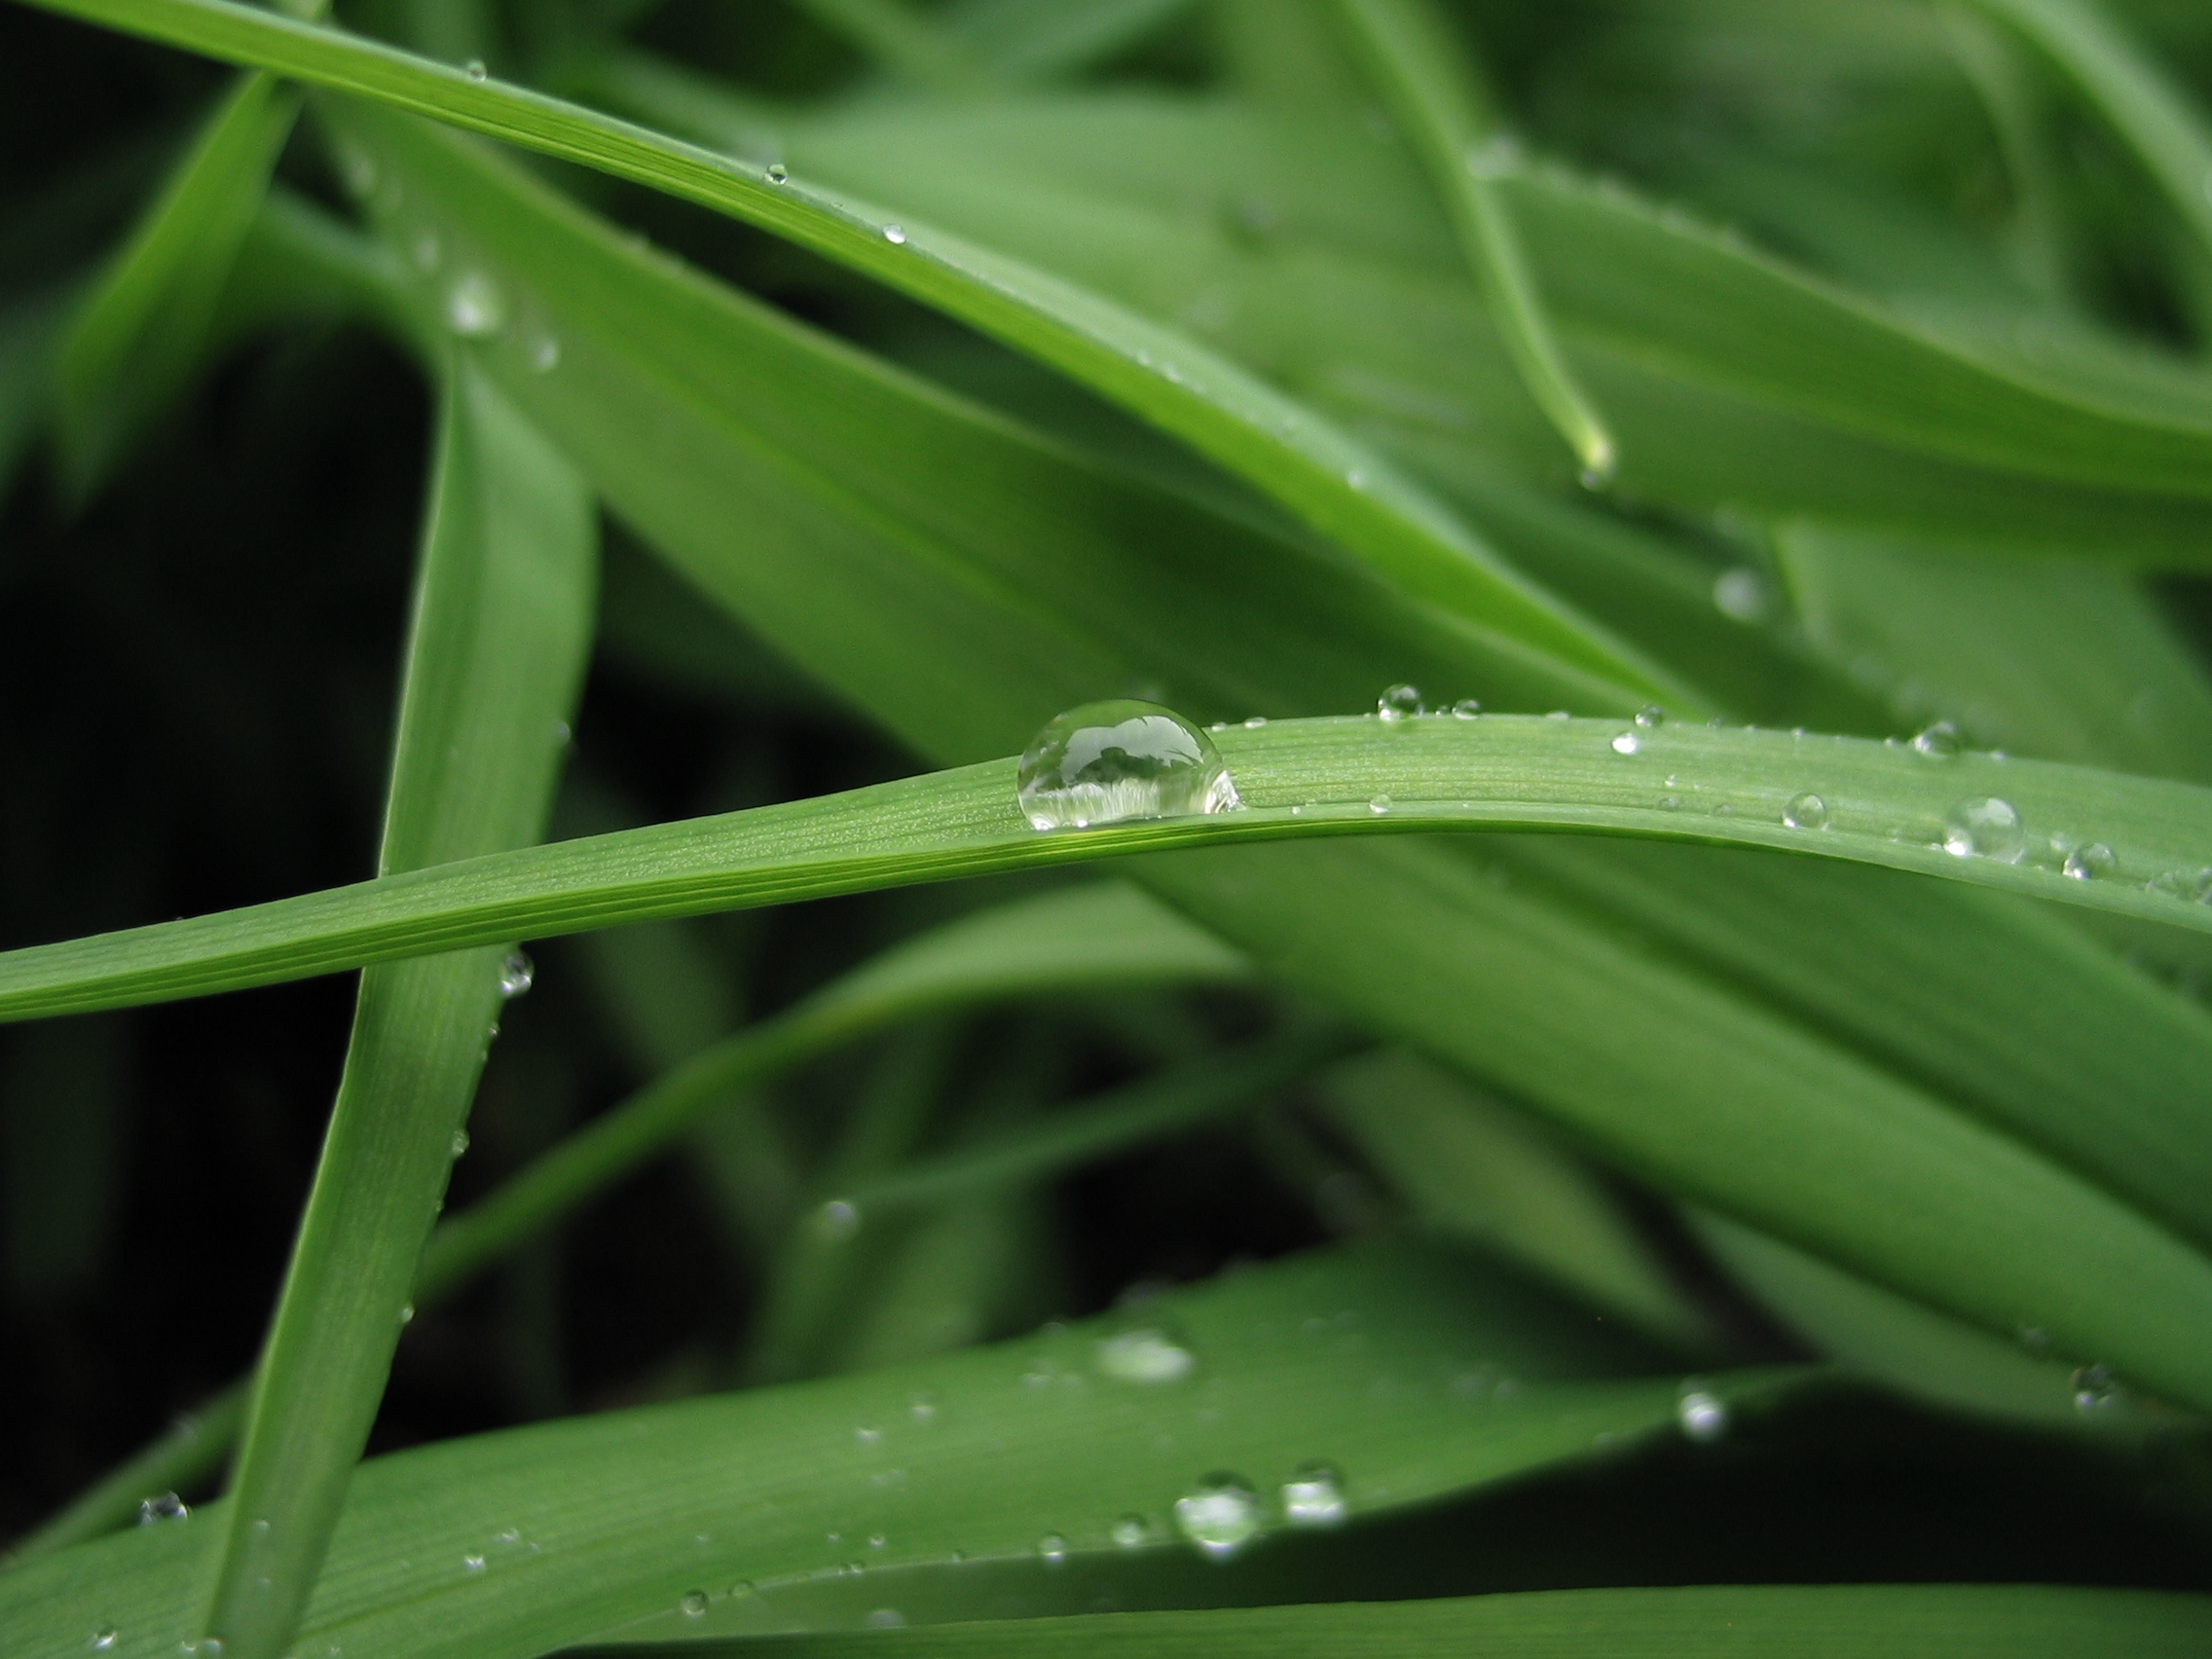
{"points": [[1319, 473], [1466, 1165], [1096, 935], [140, 334], [1834, 798], [497, 643], [1842, 1621], [2131, 90], [1432, 89], [594, 1522]]}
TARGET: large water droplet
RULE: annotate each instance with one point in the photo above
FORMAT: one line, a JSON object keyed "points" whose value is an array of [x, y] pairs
{"points": [[1704, 1416], [166, 1507], [1106, 763], [2095, 862], [1986, 828], [1939, 741], [1807, 811], [694, 1604], [1314, 1496], [1399, 703], [475, 309], [1145, 1353], [1220, 1515]]}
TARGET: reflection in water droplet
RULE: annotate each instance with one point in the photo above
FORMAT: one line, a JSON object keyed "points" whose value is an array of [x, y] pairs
{"points": [[894, 234], [1939, 741], [1466, 709], [1807, 811], [1314, 1496], [1131, 1532], [1107, 762], [476, 69], [1704, 1416], [2095, 862], [1627, 743], [517, 974], [1399, 703], [1052, 1550], [475, 309], [1379, 806], [1220, 1515], [1649, 715], [2094, 1388], [166, 1507], [1986, 828], [694, 1604], [1145, 1355], [777, 173]]}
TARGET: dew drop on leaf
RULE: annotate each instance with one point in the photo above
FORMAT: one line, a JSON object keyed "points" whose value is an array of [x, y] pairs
{"points": [[1314, 1496], [1220, 1515], [1939, 741], [1399, 703], [1704, 1416], [2095, 862], [1131, 1532], [1627, 743], [1052, 1550], [1144, 1354], [1807, 811], [166, 1507], [1109, 762], [1985, 828], [475, 309], [104, 1638], [517, 974], [1466, 709]]}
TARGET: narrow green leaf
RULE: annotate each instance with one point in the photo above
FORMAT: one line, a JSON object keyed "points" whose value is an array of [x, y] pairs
{"points": [[1432, 90], [501, 625], [904, 40], [1029, 40], [2015, 825], [1326, 477], [1842, 1621], [140, 331]]}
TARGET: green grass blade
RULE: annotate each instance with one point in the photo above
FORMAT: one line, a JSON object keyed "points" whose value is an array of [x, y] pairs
{"points": [[597, 1522], [194, 1448], [1850, 799], [2140, 99], [905, 42], [1324, 476], [501, 625], [1431, 89], [1843, 1621], [140, 334], [1030, 40]]}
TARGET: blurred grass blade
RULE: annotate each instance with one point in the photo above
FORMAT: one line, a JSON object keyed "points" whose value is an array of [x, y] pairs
{"points": [[1432, 89], [2132, 90], [501, 630], [594, 1523], [909, 43], [1032, 39], [1326, 477], [2134, 846], [138, 335]]}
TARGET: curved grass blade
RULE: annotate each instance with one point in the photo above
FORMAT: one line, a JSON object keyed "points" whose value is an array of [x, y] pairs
{"points": [[140, 333], [1325, 477], [1430, 87], [496, 655], [504, 1545], [1840, 1621], [2134, 846]]}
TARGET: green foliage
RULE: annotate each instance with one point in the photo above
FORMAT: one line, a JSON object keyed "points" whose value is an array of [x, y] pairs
{"points": [[1561, 1093]]}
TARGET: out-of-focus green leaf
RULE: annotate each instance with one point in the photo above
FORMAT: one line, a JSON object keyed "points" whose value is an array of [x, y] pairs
{"points": [[500, 631], [504, 1545], [1026, 40]]}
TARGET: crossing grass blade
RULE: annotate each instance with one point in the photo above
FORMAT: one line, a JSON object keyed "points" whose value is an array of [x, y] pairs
{"points": [[501, 624], [617, 1520], [1326, 477]]}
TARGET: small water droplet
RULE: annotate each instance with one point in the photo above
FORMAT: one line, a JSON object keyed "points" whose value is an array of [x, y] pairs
{"points": [[1670, 804], [475, 309], [1939, 741], [2191, 886], [1627, 743], [1144, 1354], [517, 974], [1131, 1532], [2035, 1340], [426, 250], [2095, 862], [1053, 1549], [1807, 811], [777, 172], [1704, 1416], [508, 1535], [922, 1407], [894, 234], [166, 1507], [1465, 708], [1985, 828], [407, 1313], [837, 1220], [473, 1564], [1108, 762], [1557, 715], [694, 1604], [1379, 806], [1220, 1515], [546, 358], [1741, 595], [476, 69], [1650, 716], [460, 1142], [1399, 703], [104, 1638], [1314, 1496], [886, 1618], [1255, 722], [2094, 1388], [867, 1434]]}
